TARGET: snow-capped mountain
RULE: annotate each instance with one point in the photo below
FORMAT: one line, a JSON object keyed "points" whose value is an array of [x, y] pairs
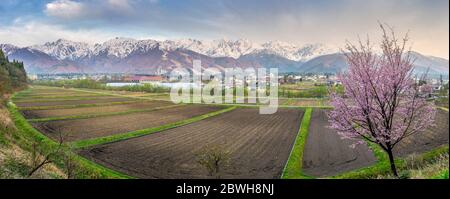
{"points": [[241, 47], [215, 48], [296, 53], [336, 62], [65, 49], [122, 47], [8, 48], [148, 56]]}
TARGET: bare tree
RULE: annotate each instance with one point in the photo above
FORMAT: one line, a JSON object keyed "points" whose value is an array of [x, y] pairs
{"points": [[213, 158], [40, 157]]}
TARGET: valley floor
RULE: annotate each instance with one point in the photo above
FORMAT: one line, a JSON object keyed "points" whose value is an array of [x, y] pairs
{"points": [[110, 134]]}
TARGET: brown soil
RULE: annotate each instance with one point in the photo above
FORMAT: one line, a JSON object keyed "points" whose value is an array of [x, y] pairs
{"points": [[326, 154], [58, 96], [33, 114], [66, 99], [73, 102], [259, 147], [50, 90], [110, 125], [55, 94], [424, 141]]}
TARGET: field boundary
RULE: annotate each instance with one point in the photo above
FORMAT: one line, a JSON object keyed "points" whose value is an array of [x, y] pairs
{"points": [[54, 96], [72, 98], [383, 166], [81, 144], [279, 106], [293, 167], [99, 91], [104, 92], [33, 135], [75, 117], [32, 108]]}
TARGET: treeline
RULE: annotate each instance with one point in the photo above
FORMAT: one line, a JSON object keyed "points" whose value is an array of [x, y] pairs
{"points": [[12, 75], [92, 84]]}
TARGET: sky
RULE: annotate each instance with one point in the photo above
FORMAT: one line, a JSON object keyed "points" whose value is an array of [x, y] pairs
{"points": [[333, 22]]}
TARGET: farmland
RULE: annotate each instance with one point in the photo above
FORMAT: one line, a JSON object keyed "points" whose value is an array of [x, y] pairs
{"points": [[259, 145], [144, 135], [433, 137], [33, 114], [72, 102], [326, 154], [110, 125]]}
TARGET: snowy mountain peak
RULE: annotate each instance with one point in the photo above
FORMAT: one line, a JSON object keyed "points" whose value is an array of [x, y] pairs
{"points": [[65, 49], [230, 48], [119, 40], [310, 51], [145, 56], [121, 47], [296, 53], [8, 48]]}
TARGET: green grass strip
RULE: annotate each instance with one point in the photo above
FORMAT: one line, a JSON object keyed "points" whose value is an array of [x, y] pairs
{"points": [[109, 172], [111, 93], [293, 169], [47, 94], [40, 97], [113, 138], [27, 135], [63, 99], [383, 167], [75, 117], [76, 105]]}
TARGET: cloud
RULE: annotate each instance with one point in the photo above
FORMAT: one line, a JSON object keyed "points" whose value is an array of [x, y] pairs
{"points": [[300, 21], [120, 5], [102, 10], [31, 33], [65, 9]]}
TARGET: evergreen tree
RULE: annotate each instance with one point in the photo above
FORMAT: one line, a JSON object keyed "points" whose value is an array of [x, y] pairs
{"points": [[12, 75]]}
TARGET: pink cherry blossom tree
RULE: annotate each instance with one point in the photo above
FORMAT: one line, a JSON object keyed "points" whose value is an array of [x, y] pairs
{"points": [[382, 102]]}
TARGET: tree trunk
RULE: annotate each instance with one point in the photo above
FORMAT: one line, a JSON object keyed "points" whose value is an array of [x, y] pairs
{"points": [[391, 160]]}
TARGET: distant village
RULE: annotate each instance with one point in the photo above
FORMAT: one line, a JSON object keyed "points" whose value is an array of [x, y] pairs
{"points": [[117, 80]]}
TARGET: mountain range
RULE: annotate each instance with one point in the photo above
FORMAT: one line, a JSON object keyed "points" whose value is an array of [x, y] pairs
{"points": [[124, 55]]}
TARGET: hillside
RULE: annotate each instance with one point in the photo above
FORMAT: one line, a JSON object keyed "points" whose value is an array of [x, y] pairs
{"points": [[16, 159], [12, 75]]}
